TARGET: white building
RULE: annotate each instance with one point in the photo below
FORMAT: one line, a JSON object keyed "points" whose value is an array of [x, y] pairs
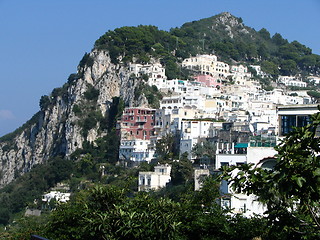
{"points": [[258, 70], [294, 116], [240, 74], [291, 81], [239, 202], [192, 131], [155, 73], [188, 88], [154, 180], [176, 102], [207, 65], [136, 150], [56, 195]]}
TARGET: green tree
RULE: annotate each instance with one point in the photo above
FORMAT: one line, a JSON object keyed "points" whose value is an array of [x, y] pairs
{"points": [[204, 151], [278, 39], [166, 148], [106, 212], [264, 33], [288, 67], [44, 102], [315, 95], [270, 67], [263, 51], [86, 164], [308, 62], [291, 191], [181, 171], [91, 93]]}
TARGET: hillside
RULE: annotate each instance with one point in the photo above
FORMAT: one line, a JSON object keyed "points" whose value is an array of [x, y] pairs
{"points": [[80, 116], [76, 112]]}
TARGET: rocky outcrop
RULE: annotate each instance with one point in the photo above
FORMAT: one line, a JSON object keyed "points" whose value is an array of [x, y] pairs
{"points": [[231, 24], [56, 129]]}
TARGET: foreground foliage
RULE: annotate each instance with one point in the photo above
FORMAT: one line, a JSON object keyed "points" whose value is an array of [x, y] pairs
{"points": [[291, 191], [109, 212]]}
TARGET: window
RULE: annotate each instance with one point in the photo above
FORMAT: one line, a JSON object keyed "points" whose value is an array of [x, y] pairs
{"points": [[303, 121], [287, 123]]}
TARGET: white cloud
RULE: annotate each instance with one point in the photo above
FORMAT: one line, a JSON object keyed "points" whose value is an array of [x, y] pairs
{"points": [[6, 115]]}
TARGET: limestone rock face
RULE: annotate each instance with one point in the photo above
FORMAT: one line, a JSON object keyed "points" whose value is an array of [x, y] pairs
{"points": [[231, 24], [55, 130]]}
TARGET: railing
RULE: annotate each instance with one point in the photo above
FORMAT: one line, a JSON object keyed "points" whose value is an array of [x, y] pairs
{"points": [[259, 141]]}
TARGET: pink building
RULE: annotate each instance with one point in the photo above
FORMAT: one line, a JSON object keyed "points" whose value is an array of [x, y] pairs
{"points": [[137, 123], [208, 81]]}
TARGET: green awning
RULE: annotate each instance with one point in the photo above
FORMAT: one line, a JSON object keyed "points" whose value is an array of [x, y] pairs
{"points": [[241, 145]]}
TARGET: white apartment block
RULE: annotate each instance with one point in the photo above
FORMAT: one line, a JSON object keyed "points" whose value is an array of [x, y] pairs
{"points": [[291, 81], [247, 89], [278, 96], [136, 150], [192, 131], [207, 64], [240, 74], [185, 87], [176, 85], [239, 202], [154, 180], [155, 72], [238, 69], [182, 101], [260, 111]]}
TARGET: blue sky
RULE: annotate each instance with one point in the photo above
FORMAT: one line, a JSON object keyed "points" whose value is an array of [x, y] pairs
{"points": [[42, 41]]}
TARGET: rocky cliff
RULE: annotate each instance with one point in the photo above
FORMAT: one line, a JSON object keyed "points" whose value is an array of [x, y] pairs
{"points": [[64, 122]]}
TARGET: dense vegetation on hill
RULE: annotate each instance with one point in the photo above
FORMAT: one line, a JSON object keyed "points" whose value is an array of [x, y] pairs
{"points": [[223, 35]]}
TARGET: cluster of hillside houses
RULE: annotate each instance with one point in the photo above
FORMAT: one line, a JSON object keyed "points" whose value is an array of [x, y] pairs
{"points": [[220, 98], [223, 104]]}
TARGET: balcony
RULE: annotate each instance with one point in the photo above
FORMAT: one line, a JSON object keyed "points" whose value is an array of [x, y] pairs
{"points": [[263, 141]]}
